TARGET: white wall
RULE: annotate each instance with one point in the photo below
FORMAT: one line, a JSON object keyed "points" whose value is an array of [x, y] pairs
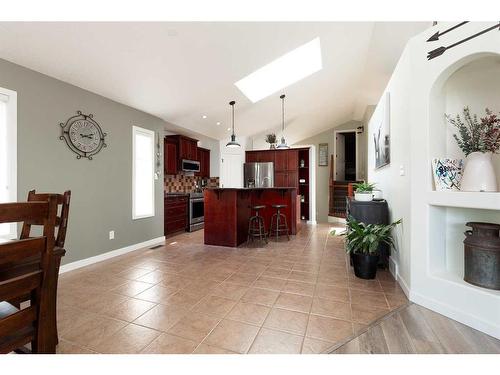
{"points": [[396, 188], [323, 173], [231, 162], [428, 248]]}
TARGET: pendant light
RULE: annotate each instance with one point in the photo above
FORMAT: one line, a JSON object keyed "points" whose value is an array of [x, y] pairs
{"points": [[283, 144], [232, 143]]}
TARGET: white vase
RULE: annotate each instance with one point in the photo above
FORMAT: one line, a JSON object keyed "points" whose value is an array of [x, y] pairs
{"points": [[479, 174], [377, 194], [363, 197]]}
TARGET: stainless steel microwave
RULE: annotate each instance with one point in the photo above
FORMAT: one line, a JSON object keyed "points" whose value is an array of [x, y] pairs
{"points": [[190, 165]]}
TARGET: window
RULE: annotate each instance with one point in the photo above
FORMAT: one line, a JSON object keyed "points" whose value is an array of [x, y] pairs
{"points": [[8, 155], [143, 187], [282, 72]]}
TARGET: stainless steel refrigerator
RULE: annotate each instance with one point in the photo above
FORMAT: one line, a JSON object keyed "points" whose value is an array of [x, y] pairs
{"points": [[258, 174]]}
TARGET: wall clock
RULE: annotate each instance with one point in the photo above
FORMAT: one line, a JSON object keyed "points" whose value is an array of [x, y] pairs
{"points": [[83, 135]]}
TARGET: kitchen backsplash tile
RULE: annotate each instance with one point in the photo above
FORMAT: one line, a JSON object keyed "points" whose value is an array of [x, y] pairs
{"points": [[186, 184]]}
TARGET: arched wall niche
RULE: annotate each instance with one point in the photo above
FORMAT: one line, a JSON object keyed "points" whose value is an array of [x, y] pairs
{"points": [[472, 81]]}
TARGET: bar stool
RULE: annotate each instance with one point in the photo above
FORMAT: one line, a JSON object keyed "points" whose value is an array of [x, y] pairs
{"points": [[256, 226], [278, 222]]}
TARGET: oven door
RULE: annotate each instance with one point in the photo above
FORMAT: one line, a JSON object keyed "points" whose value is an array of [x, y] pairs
{"points": [[196, 210]]}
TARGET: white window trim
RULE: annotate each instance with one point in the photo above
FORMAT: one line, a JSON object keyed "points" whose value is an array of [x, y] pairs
{"points": [[11, 98], [136, 130]]}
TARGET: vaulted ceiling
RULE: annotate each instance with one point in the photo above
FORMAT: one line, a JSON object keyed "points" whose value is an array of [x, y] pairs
{"points": [[181, 72]]}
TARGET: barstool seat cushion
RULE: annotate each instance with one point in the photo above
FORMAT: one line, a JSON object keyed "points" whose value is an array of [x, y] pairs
{"points": [[279, 205], [259, 207]]}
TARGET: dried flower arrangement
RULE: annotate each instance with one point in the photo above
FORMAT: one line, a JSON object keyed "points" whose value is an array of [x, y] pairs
{"points": [[271, 138], [475, 135]]}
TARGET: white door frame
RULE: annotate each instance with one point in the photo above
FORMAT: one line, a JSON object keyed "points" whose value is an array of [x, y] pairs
{"points": [[10, 97], [335, 132]]}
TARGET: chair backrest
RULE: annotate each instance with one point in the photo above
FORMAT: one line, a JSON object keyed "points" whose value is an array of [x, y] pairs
{"points": [[28, 324], [63, 201]]}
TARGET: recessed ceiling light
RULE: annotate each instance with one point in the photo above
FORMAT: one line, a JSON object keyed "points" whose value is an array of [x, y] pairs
{"points": [[204, 116], [282, 72], [217, 123], [228, 129]]}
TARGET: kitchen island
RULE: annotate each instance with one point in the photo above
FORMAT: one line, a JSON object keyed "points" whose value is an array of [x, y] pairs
{"points": [[227, 211]]}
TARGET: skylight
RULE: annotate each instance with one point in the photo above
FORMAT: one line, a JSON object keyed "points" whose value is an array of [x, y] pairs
{"points": [[282, 72]]}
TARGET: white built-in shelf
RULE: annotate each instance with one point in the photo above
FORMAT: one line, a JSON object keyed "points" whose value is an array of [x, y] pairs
{"points": [[465, 199], [460, 282]]}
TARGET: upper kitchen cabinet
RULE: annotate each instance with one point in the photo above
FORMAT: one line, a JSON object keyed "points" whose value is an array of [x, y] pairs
{"points": [[286, 165], [263, 156], [178, 148], [170, 161], [286, 160], [204, 159], [188, 148]]}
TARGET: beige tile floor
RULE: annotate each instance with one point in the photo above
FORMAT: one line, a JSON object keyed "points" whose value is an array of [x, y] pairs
{"points": [[185, 297]]}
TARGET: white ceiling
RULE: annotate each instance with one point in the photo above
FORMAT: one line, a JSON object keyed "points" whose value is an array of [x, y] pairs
{"points": [[181, 71]]}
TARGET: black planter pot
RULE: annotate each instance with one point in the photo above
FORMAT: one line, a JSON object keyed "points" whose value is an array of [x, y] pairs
{"points": [[365, 266]]}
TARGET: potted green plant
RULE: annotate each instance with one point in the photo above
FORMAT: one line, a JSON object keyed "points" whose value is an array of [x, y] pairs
{"points": [[363, 242], [271, 139], [479, 139], [363, 191]]}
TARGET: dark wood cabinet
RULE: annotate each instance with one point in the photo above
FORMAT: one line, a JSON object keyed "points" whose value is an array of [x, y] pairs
{"points": [[263, 156], [227, 212], [267, 156], [280, 179], [251, 157], [292, 161], [286, 160], [188, 148], [292, 179], [177, 148], [286, 179], [204, 158], [176, 213], [303, 161], [280, 163], [286, 164], [170, 161], [287, 171]]}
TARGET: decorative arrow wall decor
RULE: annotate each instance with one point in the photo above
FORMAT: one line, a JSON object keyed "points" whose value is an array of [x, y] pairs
{"points": [[439, 51], [440, 33]]}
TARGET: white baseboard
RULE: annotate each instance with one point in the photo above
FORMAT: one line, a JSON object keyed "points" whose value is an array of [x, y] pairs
{"points": [[442, 308], [110, 254], [394, 270], [404, 285], [460, 316]]}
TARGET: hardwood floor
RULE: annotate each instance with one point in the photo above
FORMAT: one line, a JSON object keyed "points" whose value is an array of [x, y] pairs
{"points": [[413, 329]]}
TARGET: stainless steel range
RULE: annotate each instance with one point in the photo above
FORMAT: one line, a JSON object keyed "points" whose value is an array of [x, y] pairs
{"points": [[196, 211]]}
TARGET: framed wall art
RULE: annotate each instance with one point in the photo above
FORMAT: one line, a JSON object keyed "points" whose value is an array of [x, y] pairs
{"points": [[323, 155]]}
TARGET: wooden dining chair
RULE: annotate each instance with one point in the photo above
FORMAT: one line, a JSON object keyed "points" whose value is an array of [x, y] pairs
{"points": [[63, 201], [32, 324]]}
